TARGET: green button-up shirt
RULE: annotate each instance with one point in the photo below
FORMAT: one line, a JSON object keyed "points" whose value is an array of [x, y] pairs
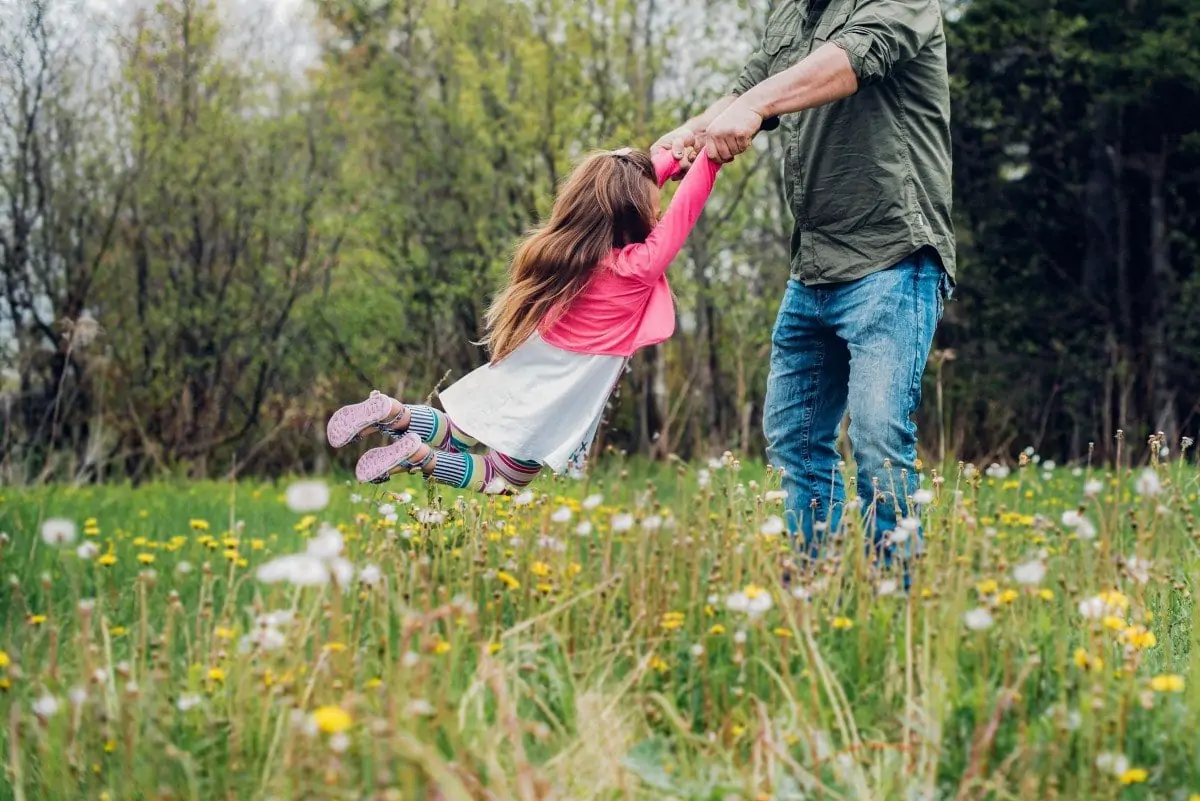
{"points": [[867, 177]]}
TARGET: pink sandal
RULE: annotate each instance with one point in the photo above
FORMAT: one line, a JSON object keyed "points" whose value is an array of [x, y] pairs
{"points": [[376, 465], [350, 422]]}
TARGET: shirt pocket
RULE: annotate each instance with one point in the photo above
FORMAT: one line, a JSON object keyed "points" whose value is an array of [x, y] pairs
{"points": [[778, 47]]}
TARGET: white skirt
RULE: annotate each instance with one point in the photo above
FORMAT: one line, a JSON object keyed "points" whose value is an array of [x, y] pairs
{"points": [[540, 404]]}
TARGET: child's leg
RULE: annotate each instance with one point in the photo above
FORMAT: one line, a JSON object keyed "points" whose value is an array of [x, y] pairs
{"points": [[433, 427], [461, 470]]}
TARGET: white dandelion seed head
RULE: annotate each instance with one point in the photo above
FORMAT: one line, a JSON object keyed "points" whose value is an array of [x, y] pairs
{"points": [[326, 545], [774, 496], [652, 523], [355, 498], [1029, 573], [46, 707], [703, 478], [1109, 762], [77, 696], [997, 471], [773, 526], [887, 587], [1048, 465], [622, 522], [1139, 569], [978, 619], [592, 501], [301, 570], [307, 496], [1092, 487], [387, 509], [524, 499], [87, 550], [922, 497], [370, 575], [58, 531], [697, 650], [420, 708], [739, 636], [970, 471], [583, 529], [1148, 483], [339, 742], [495, 487], [431, 517], [410, 659], [183, 568], [561, 515], [188, 702]]}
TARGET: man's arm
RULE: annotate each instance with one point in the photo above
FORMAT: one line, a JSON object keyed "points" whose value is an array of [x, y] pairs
{"points": [[879, 36], [691, 133]]}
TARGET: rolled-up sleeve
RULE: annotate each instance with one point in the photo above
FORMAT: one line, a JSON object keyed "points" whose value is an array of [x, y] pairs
{"points": [[880, 35], [754, 73]]}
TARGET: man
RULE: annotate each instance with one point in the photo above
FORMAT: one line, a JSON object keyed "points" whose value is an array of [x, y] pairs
{"points": [[862, 93]]}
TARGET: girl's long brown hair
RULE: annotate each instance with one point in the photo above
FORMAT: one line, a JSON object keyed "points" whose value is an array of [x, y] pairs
{"points": [[606, 203]]}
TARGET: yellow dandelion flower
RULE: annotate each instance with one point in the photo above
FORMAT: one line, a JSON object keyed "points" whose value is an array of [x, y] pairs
{"points": [[737, 730], [545, 588], [146, 558], [987, 587], [37, 620], [110, 746], [242, 562], [1046, 595], [232, 555], [334, 647], [782, 632], [1086, 662], [5, 684], [142, 513], [539, 569], [217, 675], [108, 560], [1008, 596], [257, 545], [230, 542], [91, 521], [224, 633], [508, 580], [843, 623], [574, 569], [658, 664], [117, 631], [373, 683], [1134, 776], [138, 542], [1113, 622], [332, 719], [1167, 683], [442, 648], [494, 648], [718, 629], [751, 591], [1139, 637], [4, 660], [91, 531], [198, 525], [1115, 599], [672, 620]]}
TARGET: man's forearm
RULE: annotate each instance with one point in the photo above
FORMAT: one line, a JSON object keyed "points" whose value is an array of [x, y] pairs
{"points": [[822, 77], [700, 122]]}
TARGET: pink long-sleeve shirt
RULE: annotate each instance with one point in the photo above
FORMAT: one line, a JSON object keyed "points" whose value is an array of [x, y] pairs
{"points": [[628, 304]]}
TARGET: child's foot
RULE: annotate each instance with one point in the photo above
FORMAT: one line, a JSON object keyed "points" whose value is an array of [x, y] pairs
{"points": [[406, 453], [350, 422]]}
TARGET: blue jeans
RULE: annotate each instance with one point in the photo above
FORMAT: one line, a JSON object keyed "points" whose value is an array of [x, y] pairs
{"points": [[862, 346]]}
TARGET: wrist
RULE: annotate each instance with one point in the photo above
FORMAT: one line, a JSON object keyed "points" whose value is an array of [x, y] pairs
{"points": [[755, 102]]}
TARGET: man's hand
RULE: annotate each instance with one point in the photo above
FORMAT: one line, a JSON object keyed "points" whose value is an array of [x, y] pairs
{"points": [[731, 133]]}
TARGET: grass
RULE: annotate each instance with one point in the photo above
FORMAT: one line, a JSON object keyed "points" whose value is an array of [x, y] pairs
{"points": [[506, 653]]}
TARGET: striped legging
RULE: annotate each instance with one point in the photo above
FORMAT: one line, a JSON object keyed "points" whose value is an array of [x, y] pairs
{"points": [[456, 465]]}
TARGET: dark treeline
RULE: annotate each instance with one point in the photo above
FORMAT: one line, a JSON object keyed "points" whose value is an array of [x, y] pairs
{"points": [[203, 252]]}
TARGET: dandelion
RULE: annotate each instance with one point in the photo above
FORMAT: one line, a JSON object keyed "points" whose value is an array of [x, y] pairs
{"points": [[1092, 487], [1133, 776], [652, 523], [1167, 683], [523, 499], [1138, 569], [1029, 573], [37, 620], [307, 496], [1139, 637], [886, 587], [508, 580], [672, 620], [1085, 661], [326, 545], [622, 523], [1115, 764], [703, 479], [1148, 483], [752, 601], [842, 623], [978, 619], [772, 527], [87, 551], [370, 575], [183, 568], [46, 707], [561, 515], [773, 496], [198, 525], [77, 696], [922, 497], [302, 570], [987, 587], [332, 719], [4, 660], [57, 531], [146, 558], [419, 707], [584, 528], [187, 702], [442, 648], [216, 675], [431, 517]]}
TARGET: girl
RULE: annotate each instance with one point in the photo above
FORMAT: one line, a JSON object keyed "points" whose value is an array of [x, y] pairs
{"points": [[585, 291]]}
